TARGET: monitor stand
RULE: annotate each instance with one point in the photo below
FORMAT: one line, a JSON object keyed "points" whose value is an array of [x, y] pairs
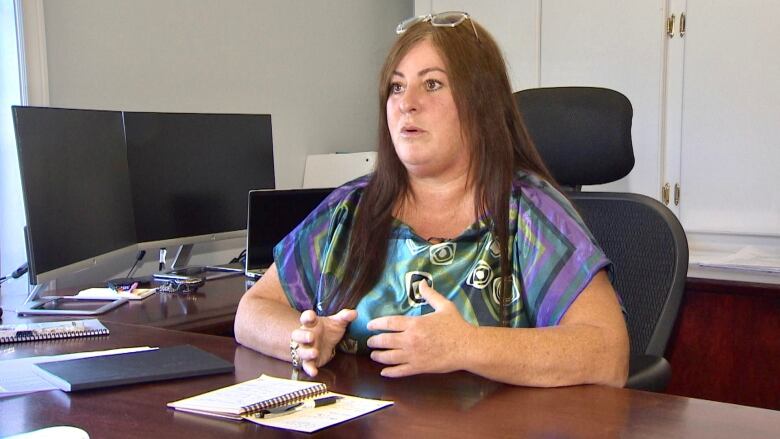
{"points": [[182, 258], [37, 305], [33, 292], [180, 266]]}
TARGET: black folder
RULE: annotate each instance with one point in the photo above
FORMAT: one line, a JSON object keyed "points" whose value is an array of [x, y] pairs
{"points": [[133, 367]]}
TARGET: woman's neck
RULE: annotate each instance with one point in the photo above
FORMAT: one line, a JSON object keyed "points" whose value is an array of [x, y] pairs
{"points": [[448, 190], [438, 207]]}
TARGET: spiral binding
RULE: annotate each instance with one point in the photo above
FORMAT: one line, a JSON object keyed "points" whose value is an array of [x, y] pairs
{"points": [[53, 335], [290, 398]]}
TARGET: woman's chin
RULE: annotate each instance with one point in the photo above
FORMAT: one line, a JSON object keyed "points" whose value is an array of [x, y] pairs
{"points": [[422, 170]]}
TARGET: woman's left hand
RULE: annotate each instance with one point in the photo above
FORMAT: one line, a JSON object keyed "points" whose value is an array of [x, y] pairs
{"points": [[429, 343]]}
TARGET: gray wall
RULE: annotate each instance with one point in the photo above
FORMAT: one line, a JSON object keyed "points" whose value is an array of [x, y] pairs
{"points": [[313, 65]]}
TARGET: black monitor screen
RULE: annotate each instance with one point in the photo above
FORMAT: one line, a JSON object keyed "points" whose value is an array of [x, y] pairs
{"points": [[75, 185], [274, 214], [191, 172]]}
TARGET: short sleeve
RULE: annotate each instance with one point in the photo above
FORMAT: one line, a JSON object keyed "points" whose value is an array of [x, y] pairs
{"points": [[554, 250], [307, 258]]}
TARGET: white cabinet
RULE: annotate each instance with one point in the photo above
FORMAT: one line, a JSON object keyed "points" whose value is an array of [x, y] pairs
{"points": [[730, 115], [601, 43], [706, 103], [617, 45]]}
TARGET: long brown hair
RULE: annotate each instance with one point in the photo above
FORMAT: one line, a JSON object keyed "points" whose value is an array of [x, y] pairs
{"points": [[493, 129]]}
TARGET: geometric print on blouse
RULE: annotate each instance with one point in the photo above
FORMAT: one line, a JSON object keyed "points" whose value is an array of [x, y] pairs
{"points": [[548, 243]]}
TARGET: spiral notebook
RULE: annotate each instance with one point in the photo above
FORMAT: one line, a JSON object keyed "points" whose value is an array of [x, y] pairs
{"points": [[51, 330], [249, 399]]}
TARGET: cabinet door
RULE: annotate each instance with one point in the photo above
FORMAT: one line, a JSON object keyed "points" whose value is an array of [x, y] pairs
{"points": [[617, 45], [730, 112], [514, 25]]}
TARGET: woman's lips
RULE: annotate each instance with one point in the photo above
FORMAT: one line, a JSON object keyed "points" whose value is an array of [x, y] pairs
{"points": [[411, 131]]}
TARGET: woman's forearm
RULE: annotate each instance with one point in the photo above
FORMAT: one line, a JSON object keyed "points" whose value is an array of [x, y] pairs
{"points": [[589, 346], [265, 325], [548, 357]]}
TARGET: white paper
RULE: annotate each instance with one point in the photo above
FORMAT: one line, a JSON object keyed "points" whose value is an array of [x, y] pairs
{"points": [[312, 419], [108, 293], [59, 432], [17, 376]]}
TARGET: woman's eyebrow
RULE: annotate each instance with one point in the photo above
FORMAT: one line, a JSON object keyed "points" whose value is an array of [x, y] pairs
{"points": [[421, 72], [431, 69]]}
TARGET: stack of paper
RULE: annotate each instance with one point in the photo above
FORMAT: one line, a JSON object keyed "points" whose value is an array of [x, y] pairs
{"points": [[748, 258]]}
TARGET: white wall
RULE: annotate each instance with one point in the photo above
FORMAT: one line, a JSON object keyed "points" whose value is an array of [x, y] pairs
{"points": [[313, 65]]}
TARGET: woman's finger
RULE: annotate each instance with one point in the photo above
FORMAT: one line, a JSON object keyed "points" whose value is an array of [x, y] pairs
{"points": [[308, 353], [308, 319], [302, 336], [310, 367], [391, 356]]}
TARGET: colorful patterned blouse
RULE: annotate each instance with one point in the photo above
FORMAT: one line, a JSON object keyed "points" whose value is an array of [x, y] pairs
{"points": [[548, 242]]}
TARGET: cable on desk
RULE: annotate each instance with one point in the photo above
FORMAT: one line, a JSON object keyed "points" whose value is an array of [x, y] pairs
{"points": [[138, 258], [240, 258], [19, 272]]}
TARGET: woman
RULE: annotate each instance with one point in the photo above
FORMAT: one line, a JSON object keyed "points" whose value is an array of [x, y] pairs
{"points": [[458, 253]]}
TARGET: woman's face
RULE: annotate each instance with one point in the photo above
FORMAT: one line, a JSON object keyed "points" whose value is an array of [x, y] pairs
{"points": [[422, 116]]}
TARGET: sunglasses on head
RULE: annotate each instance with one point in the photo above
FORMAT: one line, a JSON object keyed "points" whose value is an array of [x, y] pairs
{"points": [[442, 19]]}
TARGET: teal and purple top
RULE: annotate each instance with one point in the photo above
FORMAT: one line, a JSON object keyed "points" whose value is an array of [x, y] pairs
{"points": [[548, 242]]}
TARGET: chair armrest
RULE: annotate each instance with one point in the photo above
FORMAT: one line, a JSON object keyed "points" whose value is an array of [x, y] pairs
{"points": [[648, 372]]}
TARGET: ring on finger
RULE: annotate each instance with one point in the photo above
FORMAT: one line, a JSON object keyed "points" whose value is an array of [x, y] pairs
{"points": [[295, 357]]}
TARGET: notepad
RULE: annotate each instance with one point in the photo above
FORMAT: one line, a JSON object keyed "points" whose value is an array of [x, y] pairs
{"points": [[134, 367], [51, 330], [249, 399]]}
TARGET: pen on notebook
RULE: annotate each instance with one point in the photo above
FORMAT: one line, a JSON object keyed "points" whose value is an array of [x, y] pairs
{"points": [[319, 402], [292, 408]]}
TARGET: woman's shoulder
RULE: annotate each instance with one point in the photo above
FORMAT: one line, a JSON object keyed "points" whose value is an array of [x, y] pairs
{"points": [[335, 209], [542, 195], [346, 195], [530, 183]]}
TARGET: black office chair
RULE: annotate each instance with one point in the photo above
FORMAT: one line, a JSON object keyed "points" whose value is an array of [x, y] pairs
{"points": [[584, 137]]}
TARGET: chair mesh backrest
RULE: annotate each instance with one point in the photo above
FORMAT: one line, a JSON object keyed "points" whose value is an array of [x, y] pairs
{"points": [[649, 251]]}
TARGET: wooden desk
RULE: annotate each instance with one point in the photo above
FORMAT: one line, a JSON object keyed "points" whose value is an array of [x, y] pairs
{"points": [[211, 310], [452, 405], [724, 329], [725, 345]]}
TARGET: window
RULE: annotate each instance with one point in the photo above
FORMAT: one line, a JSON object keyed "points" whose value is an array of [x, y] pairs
{"points": [[13, 92]]}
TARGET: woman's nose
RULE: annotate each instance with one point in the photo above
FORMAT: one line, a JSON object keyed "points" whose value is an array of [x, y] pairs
{"points": [[409, 102]]}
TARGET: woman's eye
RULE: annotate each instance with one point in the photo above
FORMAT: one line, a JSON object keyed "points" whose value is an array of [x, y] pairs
{"points": [[432, 85], [396, 88]]}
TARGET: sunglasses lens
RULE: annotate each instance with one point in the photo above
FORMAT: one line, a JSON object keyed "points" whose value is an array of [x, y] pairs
{"points": [[409, 22], [451, 19]]}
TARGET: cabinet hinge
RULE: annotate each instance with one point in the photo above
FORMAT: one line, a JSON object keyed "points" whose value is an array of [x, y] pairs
{"points": [[677, 194], [682, 24], [670, 26], [665, 193]]}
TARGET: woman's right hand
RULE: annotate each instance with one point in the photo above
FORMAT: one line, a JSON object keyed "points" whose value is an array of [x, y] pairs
{"points": [[318, 336]]}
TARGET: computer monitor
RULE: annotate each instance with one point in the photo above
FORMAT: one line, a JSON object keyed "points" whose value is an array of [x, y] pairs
{"points": [[76, 188], [191, 173]]}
